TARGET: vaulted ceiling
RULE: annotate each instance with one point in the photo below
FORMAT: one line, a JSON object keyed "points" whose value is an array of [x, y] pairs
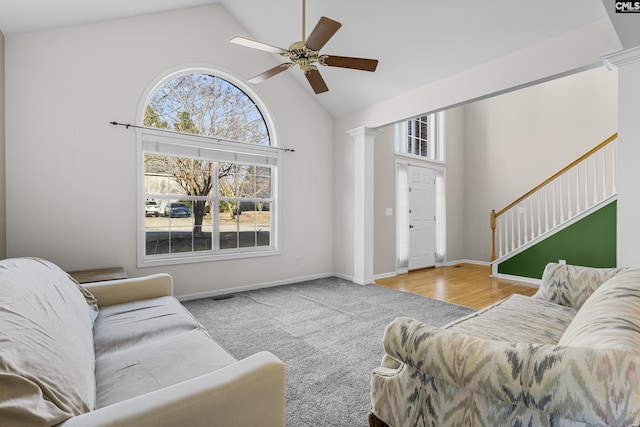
{"points": [[416, 41]]}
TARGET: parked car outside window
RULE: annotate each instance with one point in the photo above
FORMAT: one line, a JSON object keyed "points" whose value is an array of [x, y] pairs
{"points": [[176, 210], [151, 208]]}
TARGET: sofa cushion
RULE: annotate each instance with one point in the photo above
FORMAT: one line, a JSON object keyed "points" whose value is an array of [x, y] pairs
{"points": [[610, 318], [146, 345], [571, 285], [517, 319], [46, 345], [124, 325]]}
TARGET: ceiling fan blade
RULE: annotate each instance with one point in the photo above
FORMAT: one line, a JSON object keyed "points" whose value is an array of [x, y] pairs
{"points": [[258, 45], [324, 30], [363, 64], [316, 81], [270, 73]]}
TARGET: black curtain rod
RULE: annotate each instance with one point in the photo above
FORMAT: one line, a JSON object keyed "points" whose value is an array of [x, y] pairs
{"points": [[128, 125]]}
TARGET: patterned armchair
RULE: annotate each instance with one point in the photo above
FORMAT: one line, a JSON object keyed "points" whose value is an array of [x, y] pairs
{"points": [[523, 361]]}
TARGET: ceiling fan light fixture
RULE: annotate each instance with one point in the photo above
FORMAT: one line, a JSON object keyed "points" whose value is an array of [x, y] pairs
{"points": [[306, 53]]}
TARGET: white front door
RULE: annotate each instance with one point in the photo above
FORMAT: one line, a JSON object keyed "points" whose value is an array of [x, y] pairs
{"points": [[422, 230]]}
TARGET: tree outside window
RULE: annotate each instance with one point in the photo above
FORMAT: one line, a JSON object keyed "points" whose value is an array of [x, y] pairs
{"points": [[209, 200]]}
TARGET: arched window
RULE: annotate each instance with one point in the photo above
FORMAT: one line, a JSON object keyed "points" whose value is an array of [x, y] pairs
{"points": [[208, 171]]}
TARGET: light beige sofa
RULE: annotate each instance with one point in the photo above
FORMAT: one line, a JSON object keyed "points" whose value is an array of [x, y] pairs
{"points": [[568, 356], [120, 353]]}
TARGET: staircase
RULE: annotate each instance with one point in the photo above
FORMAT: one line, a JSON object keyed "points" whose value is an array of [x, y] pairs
{"points": [[571, 194]]}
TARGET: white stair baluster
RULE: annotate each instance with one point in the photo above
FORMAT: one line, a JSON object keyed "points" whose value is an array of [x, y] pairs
{"points": [[533, 233], [525, 228], [513, 233], [519, 231], [553, 203], [586, 186], [614, 147], [577, 189], [569, 194], [561, 200], [595, 178], [539, 217], [604, 173], [546, 209]]}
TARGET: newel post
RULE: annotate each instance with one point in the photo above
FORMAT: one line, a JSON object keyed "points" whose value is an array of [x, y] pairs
{"points": [[492, 224]]}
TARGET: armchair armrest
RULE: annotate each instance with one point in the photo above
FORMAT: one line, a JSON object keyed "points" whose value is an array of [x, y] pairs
{"points": [[596, 386], [126, 290], [248, 393]]}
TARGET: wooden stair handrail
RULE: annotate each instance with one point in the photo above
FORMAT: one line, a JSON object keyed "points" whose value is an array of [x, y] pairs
{"points": [[494, 215]]}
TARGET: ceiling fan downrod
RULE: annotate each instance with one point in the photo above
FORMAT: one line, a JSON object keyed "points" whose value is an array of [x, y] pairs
{"points": [[304, 11]]}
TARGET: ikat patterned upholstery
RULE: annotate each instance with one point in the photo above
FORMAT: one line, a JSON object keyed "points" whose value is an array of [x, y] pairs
{"points": [[571, 285], [460, 375]]}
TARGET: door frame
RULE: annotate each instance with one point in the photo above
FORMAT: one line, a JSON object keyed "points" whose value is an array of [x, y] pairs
{"points": [[402, 213]]}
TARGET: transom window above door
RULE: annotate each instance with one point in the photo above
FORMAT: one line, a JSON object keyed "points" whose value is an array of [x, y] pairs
{"points": [[421, 137]]}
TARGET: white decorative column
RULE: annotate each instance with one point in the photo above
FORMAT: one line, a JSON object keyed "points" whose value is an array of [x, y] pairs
{"points": [[627, 62], [363, 204]]}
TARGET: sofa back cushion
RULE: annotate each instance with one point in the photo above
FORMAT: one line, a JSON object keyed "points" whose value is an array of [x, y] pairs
{"points": [[571, 285], [46, 345], [610, 318]]}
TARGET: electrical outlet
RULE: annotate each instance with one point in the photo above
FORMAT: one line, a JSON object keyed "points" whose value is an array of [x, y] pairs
{"points": [[563, 261]]}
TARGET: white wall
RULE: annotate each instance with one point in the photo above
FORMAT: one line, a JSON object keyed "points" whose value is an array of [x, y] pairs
{"points": [[515, 141], [384, 241], [455, 183], [71, 177], [3, 209], [628, 63]]}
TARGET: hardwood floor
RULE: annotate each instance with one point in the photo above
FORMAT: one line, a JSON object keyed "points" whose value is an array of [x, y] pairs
{"points": [[465, 284]]}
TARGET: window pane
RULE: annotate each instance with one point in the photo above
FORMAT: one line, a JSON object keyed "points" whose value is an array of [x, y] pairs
{"points": [[156, 235], [206, 105], [263, 224], [201, 183], [156, 174], [423, 148], [229, 213], [421, 138], [203, 228], [227, 186], [171, 230]]}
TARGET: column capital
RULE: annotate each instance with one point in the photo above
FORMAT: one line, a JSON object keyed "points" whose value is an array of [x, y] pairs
{"points": [[615, 60], [364, 131]]}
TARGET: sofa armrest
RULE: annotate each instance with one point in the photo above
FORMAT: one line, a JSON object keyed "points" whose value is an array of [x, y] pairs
{"points": [[125, 290], [596, 386], [248, 393]]}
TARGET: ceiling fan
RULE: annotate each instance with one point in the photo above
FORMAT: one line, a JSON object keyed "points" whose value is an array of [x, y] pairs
{"points": [[305, 54]]}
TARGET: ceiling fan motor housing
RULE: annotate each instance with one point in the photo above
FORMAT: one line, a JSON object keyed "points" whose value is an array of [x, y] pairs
{"points": [[300, 54]]}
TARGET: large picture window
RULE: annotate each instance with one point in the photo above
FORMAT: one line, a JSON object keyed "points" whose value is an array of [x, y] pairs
{"points": [[209, 173]]}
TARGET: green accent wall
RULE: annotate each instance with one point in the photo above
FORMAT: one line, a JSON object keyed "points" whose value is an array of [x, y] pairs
{"points": [[590, 242]]}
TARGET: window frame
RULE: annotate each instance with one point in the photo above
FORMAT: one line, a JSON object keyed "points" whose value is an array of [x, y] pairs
{"points": [[178, 144], [436, 151]]}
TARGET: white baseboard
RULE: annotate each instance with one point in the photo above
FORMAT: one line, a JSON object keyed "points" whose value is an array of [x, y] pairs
{"points": [[467, 261], [343, 276], [385, 275], [252, 287], [255, 286], [527, 280]]}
